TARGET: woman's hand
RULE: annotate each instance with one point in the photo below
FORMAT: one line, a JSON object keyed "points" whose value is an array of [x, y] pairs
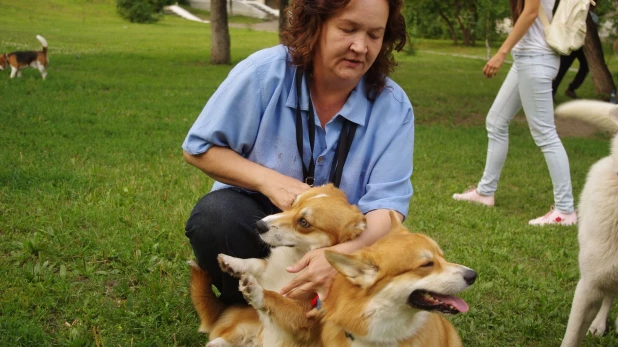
{"points": [[281, 190], [493, 65], [317, 278]]}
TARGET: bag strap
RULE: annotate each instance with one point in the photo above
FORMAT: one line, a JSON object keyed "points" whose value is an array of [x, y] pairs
{"points": [[343, 144]]}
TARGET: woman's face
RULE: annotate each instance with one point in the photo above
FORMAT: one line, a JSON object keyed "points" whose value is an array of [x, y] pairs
{"points": [[350, 41]]}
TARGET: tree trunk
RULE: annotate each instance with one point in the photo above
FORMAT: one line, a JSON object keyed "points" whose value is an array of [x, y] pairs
{"points": [[220, 33], [593, 50], [283, 14], [451, 28]]}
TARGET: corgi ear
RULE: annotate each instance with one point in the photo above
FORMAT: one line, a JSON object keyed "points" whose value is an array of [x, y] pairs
{"points": [[359, 271], [396, 223], [354, 227]]}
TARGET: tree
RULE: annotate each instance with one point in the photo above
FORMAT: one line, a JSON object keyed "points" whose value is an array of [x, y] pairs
{"points": [[283, 14], [593, 50], [465, 20], [220, 33]]}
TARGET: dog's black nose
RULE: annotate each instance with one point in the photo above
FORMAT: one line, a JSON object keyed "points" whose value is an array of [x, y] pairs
{"points": [[261, 226], [470, 276]]}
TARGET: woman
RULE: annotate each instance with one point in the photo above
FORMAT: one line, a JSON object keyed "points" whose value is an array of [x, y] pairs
{"points": [[329, 76], [528, 85]]}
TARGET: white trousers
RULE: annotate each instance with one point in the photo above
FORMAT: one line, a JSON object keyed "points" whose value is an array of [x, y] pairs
{"points": [[528, 85]]}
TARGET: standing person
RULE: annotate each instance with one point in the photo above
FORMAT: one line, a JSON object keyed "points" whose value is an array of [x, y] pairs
{"points": [[274, 125], [565, 63], [527, 85]]}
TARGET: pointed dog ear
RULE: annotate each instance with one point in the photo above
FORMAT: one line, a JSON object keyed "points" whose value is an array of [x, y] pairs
{"points": [[358, 270], [396, 225]]}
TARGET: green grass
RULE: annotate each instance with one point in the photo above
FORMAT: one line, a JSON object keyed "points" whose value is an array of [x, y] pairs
{"points": [[94, 191]]}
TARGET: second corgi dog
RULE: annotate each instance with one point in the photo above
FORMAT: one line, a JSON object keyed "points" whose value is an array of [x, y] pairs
{"points": [[388, 294], [22, 59]]}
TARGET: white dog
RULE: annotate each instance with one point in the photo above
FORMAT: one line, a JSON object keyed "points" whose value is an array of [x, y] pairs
{"points": [[598, 229]]}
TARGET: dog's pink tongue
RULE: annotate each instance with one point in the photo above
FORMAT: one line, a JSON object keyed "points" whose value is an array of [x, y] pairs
{"points": [[454, 301]]}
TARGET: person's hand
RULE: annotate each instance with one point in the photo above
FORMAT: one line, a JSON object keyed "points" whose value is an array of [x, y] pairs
{"points": [[317, 277], [493, 65], [281, 190]]}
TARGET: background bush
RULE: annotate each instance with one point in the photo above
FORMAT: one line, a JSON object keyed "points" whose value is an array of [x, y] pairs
{"points": [[142, 11]]}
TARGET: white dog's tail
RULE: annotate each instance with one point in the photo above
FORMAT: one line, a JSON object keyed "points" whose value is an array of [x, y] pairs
{"points": [[43, 43], [603, 115]]}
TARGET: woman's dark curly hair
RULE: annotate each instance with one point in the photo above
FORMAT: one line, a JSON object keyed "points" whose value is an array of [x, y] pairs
{"points": [[301, 35]]}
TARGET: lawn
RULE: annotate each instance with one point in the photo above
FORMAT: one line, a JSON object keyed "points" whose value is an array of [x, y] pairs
{"points": [[94, 191]]}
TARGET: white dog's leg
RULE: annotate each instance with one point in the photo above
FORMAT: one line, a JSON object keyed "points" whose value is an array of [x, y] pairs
{"points": [[13, 71], [586, 303], [237, 266], [598, 326]]}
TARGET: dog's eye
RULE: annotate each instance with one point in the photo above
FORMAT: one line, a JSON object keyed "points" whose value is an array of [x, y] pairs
{"points": [[428, 264], [303, 223]]}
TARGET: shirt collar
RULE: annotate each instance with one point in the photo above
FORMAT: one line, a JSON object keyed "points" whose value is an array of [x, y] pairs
{"points": [[355, 108]]}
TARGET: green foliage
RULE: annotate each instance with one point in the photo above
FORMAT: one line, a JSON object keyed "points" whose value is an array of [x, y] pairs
{"points": [[142, 11], [465, 21]]}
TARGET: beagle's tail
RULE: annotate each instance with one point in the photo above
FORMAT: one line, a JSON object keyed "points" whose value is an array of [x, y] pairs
{"points": [[208, 307], [43, 43], [600, 114]]}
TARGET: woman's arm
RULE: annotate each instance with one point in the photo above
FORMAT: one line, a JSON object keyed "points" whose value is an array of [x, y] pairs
{"points": [[226, 166], [524, 22]]}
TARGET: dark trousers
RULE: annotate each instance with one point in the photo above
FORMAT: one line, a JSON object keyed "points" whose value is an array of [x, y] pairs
{"points": [[565, 63], [223, 221]]}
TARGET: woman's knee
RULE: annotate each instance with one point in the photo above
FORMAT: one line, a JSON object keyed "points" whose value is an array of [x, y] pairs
{"points": [[495, 124], [213, 213]]}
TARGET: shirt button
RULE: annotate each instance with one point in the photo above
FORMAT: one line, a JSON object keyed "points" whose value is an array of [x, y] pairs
{"points": [[320, 160]]}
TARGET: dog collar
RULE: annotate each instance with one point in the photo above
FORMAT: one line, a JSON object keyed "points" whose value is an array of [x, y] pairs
{"points": [[316, 303]]}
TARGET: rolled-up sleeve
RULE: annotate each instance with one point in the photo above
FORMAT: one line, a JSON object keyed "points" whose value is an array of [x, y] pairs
{"points": [[231, 116], [389, 185]]}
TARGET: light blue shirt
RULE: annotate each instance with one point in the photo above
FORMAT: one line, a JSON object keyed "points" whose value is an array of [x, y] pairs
{"points": [[253, 112]]}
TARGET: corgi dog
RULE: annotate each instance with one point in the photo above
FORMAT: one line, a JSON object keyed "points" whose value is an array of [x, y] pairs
{"points": [[388, 294], [22, 59], [319, 217], [597, 229]]}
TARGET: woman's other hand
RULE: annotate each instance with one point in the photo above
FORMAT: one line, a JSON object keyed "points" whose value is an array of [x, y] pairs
{"points": [[317, 277], [282, 189], [493, 65]]}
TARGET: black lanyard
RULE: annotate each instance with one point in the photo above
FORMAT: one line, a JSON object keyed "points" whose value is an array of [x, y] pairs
{"points": [[343, 145]]}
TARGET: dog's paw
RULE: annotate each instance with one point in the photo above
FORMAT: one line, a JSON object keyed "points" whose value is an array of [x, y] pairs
{"points": [[218, 342], [597, 329], [252, 291], [233, 266]]}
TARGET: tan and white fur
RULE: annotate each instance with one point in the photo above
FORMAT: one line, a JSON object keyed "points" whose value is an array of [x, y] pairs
{"points": [[320, 217], [598, 229], [389, 293], [386, 294], [20, 60]]}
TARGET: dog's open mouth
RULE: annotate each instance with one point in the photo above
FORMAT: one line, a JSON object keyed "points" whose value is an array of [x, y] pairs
{"points": [[429, 301]]}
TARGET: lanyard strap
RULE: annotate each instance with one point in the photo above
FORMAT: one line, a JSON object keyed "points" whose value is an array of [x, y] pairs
{"points": [[343, 144]]}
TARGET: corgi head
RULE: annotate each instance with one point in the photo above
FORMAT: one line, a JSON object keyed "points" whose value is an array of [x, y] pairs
{"points": [[404, 272], [319, 217], [3, 61]]}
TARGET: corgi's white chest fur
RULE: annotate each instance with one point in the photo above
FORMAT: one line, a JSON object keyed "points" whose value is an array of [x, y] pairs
{"points": [[275, 275]]}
